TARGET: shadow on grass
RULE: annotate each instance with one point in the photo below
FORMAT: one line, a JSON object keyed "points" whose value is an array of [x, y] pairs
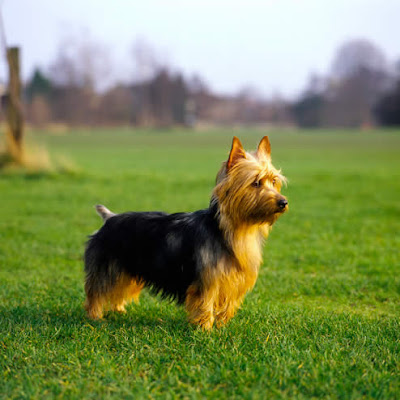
{"points": [[20, 173], [74, 317], [145, 321]]}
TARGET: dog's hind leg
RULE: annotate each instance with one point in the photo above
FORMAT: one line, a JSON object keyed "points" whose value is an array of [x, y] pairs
{"points": [[94, 306], [134, 290], [96, 296], [125, 290]]}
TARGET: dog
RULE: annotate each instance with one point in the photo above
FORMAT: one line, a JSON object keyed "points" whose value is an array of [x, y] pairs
{"points": [[207, 260]]}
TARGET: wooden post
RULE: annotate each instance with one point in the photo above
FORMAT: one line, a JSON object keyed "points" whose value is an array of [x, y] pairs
{"points": [[14, 104]]}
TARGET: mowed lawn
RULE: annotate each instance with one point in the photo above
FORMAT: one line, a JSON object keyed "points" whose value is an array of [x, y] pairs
{"points": [[321, 322]]}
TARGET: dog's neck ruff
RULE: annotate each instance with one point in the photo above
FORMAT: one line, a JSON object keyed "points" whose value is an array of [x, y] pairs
{"points": [[245, 241]]}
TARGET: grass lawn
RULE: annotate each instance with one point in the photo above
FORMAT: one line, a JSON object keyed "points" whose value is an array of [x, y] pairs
{"points": [[322, 320]]}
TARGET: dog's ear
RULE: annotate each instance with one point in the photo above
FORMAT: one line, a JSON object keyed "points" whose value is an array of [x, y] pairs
{"points": [[264, 149], [237, 153]]}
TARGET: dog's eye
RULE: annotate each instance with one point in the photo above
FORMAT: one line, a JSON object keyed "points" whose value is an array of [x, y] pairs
{"points": [[274, 181], [256, 184]]}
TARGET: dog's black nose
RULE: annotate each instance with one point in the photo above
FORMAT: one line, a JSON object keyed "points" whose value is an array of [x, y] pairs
{"points": [[282, 203]]}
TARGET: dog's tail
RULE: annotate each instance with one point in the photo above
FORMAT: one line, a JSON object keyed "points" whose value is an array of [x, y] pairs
{"points": [[104, 212]]}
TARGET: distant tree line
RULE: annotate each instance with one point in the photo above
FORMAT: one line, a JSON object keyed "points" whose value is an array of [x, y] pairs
{"points": [[160, 101], [361, 90]]}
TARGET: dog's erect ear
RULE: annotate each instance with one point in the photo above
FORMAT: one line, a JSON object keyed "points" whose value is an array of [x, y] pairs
{"points": [[236, 154], [264, 149]]}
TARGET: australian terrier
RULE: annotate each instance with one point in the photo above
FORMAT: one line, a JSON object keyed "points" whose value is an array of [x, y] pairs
{"points": [[206, 260]]}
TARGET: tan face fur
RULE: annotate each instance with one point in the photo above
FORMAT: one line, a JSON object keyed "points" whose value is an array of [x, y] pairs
{"points": [[248, 186]]}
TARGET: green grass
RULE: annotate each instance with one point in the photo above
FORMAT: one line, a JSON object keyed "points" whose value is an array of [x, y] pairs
{"points": [[322, 321]]}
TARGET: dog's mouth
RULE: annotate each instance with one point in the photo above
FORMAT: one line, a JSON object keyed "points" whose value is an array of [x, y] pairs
{"points": [[280, 210]]}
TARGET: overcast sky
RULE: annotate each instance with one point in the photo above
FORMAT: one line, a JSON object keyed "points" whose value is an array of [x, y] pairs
{"points": [[272, 45]]}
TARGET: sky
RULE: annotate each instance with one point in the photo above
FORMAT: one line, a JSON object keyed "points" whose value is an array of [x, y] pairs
{"points": [[272, 46]]}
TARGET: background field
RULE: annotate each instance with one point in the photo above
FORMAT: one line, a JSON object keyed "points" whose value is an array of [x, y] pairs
{"points": [[322, 321]]}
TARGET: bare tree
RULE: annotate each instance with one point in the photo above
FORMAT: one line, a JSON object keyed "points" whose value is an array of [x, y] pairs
{"points": [[79, 72], [355, 55], [81, 61], [116, 106], [146, 62], [145, 67], [359, 76], [39, 111]]}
